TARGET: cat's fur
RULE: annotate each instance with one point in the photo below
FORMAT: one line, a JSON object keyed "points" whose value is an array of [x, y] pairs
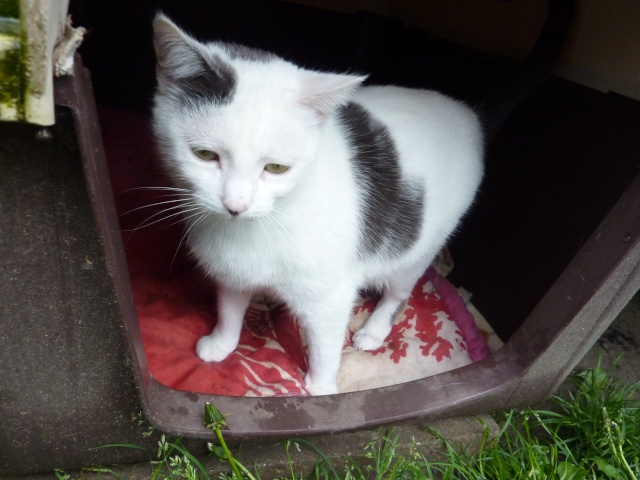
{"points": [[378, 178]]}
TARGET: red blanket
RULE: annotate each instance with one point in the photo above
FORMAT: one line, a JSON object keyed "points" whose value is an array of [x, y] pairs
{"points": [[176, 304]]}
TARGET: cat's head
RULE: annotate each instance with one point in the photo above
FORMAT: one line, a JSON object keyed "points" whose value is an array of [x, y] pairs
{"points": [[238, 127]]}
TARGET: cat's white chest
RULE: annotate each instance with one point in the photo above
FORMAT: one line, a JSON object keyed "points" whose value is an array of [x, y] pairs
{"points": [[250, 256]]}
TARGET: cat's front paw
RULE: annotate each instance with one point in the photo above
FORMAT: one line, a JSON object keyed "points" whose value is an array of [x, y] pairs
{"points": [[211, 349], [318, 388], [363, 340]]}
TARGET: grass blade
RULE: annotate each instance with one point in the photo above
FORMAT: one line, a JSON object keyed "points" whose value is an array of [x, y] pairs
{"points": [[103, 470], [320, 454], [122, 445]]}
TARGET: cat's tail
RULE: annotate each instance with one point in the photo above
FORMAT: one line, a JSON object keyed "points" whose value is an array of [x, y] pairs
{"points": [[494, 108]]}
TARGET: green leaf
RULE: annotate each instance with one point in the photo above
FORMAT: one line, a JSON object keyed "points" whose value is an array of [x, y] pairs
{"points": [[608, 469], [569, 471]]}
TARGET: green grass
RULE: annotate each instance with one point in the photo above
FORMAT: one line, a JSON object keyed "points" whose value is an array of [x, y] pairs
{"points": [[591, 432]]}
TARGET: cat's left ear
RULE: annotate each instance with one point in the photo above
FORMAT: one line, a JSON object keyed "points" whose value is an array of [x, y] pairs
{"points": [[325, 92]]}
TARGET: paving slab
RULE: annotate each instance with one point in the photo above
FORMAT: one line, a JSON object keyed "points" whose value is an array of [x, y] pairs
{"points": [[65, 382], [269, 459]]}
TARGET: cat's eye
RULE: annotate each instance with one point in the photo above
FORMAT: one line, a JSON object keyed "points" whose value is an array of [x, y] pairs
{"points": [[276, 168], [204, 154]]}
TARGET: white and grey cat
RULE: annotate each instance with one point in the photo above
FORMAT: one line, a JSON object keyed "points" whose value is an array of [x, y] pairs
{"points": [[308, 186]]}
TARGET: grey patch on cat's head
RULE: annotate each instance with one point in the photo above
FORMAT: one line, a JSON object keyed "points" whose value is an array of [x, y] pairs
{"points": [[392, 206], [215, 82], [240, 52]]}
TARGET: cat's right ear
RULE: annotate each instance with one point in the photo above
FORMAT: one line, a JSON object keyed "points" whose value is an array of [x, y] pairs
{"points": [[175, 51], [184, 65]]}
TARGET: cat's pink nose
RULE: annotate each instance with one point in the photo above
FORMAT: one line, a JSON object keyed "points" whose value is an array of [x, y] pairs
{"points": [[235, 208]]}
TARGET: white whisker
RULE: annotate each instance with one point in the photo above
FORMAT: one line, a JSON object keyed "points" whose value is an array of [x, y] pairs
{"points": [[266, 235], [201, 214], [181, 219], [280, 228], [173, 189], [183, 200], [275, 227], [146, 223], [283, 212]]}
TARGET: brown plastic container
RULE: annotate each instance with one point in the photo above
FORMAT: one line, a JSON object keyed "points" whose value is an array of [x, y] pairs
{"points": [[594, 287]]}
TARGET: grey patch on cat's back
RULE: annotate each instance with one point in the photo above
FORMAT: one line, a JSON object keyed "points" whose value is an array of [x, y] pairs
{"points": [[240, 52], [392, 217]]}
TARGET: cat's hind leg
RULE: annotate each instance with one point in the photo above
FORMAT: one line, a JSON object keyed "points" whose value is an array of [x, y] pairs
{"points": [[394, 296], [224, 338]]}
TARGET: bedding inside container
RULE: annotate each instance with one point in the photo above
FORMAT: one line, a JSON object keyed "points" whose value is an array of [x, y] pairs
{"points": [[176, 304]]}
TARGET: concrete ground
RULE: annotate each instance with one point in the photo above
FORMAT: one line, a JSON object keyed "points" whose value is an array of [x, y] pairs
{"points": [[621, 338]]}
